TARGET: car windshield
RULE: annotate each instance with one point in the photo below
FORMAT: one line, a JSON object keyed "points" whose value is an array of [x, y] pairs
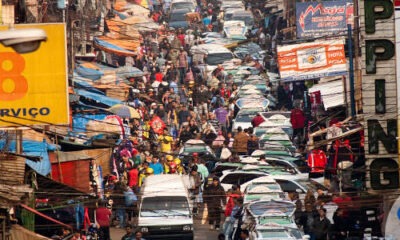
{"points": [[177, 17], [218, 58], [274, 234], [195, 148], [245, 118], [165, 206], [248, 20], [183, 5]]}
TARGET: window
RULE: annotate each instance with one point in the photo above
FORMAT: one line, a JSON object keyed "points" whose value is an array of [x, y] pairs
{"points": [[218, 58], [164, 206], [231, 179], [288, 186]]}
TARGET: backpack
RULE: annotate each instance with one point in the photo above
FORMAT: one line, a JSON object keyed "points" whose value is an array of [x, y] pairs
{"points": [[218, 102]]}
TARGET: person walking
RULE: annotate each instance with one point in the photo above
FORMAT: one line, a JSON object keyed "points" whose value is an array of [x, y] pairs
{"points": [[214, 197], [103, 215], [240, 142], [321, 225], [194, 188]]}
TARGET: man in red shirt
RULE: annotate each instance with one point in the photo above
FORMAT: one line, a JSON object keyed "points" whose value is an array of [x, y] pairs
{"points": [[257, 120], [103, 215]]}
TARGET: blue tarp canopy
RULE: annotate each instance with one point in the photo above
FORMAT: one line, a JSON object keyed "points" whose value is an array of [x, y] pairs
{"points": [[89, 72], [98, 97], [79, 121], [83, 83], [111, 48], [37, 149]]}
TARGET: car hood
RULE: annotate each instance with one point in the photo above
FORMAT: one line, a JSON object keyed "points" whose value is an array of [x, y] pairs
{"points": [[178, 24]]}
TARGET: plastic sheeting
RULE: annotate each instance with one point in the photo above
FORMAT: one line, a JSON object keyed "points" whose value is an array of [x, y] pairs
{"points": [[79, 121], [97, 97], [111, 48], [34, 148]]}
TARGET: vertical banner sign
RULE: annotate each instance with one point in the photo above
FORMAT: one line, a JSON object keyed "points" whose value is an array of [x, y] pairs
{"points": [[312, 60], [314, 19], [379, 88], [34, 86]]}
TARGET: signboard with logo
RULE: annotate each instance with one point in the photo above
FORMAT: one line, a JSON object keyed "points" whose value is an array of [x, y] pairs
{"points": [[33, 86], [314, 19], [312, 60]]}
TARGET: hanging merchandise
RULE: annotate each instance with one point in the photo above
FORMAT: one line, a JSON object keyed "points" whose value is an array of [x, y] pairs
{"points": [[317, 161]]}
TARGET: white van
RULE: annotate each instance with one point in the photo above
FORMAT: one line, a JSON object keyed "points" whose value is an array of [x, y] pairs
{"points": [[164, 208], [210, 55]]}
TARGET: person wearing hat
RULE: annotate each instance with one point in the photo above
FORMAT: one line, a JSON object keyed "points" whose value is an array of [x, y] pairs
{"points": [[167, 164], [214, 197]]}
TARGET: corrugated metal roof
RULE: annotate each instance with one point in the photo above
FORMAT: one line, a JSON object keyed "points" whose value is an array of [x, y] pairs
{"points": [[72, 156], [332, 93]]}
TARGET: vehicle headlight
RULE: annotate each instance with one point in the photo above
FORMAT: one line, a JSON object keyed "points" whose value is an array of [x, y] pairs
{"points": [[187, 228], [144, 230]]}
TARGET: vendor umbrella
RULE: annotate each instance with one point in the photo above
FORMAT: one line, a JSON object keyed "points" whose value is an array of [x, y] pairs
{"points": [[124, 111]]}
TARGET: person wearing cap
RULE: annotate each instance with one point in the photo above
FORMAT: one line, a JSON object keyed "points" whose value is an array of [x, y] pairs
{"points": [[214, 197], [169, 159]]}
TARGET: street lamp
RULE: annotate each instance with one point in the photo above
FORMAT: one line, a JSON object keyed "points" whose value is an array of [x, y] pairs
{"points": [[23, 40]]}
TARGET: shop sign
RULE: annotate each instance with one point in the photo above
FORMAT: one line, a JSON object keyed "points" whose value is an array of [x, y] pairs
{"points": [[379, 95], [314, 19], [312, 60], [33, 86]]}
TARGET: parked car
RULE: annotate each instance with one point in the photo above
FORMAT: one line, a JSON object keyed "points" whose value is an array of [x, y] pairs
{"points": [[177, 18], [263, 188], [213, 54], [244, 117], [277, 232], [197, 146]]}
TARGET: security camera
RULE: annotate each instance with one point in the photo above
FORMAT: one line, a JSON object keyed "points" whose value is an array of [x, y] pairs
{"points": [[23, 40]]}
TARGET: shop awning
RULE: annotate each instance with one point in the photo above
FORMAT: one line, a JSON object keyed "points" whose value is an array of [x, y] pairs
{"points": [[48, 188], [111, 48], [97, 97], [332, 92]]}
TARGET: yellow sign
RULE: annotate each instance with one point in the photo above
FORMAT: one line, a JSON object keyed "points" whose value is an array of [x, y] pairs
{"points": [[34, 86]]}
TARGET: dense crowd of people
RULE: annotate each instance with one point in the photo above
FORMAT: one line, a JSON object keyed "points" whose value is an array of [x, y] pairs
{"points": [[178, 103]]}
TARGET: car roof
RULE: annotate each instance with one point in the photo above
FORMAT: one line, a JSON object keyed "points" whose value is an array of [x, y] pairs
{"points": [[164, 185], [210, 48], [180, 11]]}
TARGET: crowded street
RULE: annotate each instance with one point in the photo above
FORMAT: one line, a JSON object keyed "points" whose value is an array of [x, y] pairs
{"points": [[199, 119]]}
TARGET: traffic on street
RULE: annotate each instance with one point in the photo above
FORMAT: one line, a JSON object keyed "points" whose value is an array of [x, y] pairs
{"points": [[198, 119]]}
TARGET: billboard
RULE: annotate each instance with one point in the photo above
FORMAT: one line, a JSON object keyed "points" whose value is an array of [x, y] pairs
{"points": [[34, 86], [312, 60], [315, 19]]}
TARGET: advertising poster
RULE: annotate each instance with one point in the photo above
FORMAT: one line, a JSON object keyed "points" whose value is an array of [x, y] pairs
{"points": [[315, 19], [312, 60], [33, 85]]}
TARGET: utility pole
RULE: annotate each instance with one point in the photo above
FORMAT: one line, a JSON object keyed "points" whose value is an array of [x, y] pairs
{"points": [[351, 70]]}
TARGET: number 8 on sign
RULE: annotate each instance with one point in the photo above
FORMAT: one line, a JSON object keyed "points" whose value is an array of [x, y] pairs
{"points": [[13, 85]]}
